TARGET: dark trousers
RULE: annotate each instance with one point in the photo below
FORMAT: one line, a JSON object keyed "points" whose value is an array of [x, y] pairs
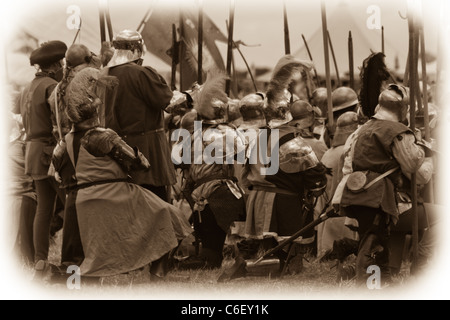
{"points": [[212, 238], [72, 249], [27, 214], [46, 190], [373, 248]]}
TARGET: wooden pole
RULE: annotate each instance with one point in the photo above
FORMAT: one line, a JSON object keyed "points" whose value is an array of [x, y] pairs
{"points": [[413, 51], [311, 58], [429, 188], [173, 79], [200, 43], [327, 63], [248, 67], [334, 60], [230, 48], [350, 61], [102, 24], [287, 45], [108, 21], [181, 46], [382, 39]]}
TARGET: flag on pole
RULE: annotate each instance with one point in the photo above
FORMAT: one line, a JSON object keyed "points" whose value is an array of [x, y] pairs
{"points": [[157, 35]]}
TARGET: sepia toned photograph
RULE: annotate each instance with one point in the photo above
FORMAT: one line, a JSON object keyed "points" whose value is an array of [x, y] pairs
{"points": [[230, 155]]}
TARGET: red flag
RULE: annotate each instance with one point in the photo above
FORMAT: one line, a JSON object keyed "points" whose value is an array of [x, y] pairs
{"points": [[157, 34]]}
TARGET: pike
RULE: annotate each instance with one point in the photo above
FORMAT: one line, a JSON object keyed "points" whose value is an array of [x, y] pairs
{"points": [[350, 60], [311, 58], [175, 58], [230, 47], [327, 63], [200, 42], [382, 39], [334, 60], [181, 46], [287, 45], [325, 215], [429, 192], [413, 57]]}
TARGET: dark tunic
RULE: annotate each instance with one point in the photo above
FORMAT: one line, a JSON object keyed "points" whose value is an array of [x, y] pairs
{"points": [[137, 116], [36, 115], [373, 153]]}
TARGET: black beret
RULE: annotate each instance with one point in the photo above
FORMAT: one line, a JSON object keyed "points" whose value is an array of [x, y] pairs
{"points": [[48, 53]]}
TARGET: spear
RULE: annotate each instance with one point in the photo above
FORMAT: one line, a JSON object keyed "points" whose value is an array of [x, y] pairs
{"points": [[327, 63], [413, 55], [287, 45], [108, 21], [350, 60], [311, 58], [334, 60], [230, 47], [429, 192], [181, 46], [200, 42], [102, 23], [382, 39], [174, 57]]}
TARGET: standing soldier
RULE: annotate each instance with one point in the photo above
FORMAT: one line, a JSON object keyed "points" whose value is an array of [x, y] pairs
{"points": [[379, 159], [137, 114], [36, 115]]}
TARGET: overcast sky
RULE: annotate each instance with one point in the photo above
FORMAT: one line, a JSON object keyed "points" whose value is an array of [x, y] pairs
{"points": [[256, 22]]}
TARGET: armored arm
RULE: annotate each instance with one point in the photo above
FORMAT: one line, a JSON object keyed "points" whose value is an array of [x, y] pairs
{"points": [[101, 142]]}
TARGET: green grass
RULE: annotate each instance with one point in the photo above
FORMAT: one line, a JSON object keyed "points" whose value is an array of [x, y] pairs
{"points": [[316, 281]]}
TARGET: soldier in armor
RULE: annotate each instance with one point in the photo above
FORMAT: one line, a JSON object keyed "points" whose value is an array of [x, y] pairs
{"points": [[211, 184], [380, 157], [40, 142], [281, 203], [123, 226], [136, 111]]}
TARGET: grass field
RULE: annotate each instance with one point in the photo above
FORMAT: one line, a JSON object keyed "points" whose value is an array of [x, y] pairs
{"points": [[318, 280]]}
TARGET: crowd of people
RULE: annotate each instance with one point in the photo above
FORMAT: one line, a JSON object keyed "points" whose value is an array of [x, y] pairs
{"points": [[92, 145]]}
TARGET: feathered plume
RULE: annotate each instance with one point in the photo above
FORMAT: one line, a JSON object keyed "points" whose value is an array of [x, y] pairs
{"points": [[86, 93], [208, 62], [287, 71], [213, 90], [373, 73]]}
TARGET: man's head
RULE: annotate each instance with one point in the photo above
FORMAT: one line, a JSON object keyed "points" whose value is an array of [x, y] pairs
{"points": [[252, 109], [49, 56], [346, 124], [129, 47], [393, 103], [78, 54], [344, 99], [303, 114]]}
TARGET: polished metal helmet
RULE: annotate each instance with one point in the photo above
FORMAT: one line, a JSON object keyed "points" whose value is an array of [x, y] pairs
{"points": [[128, 40], [393, 101], [343, 97], [303, 114], [251, 108], [319, 98], [129, 47], [346, 124], [296, 155]]}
